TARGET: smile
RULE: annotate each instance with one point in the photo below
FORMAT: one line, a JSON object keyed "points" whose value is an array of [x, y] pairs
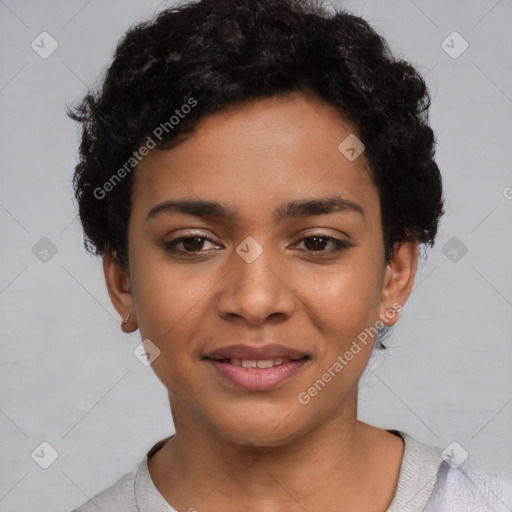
{"points": [[262, 363], [257, 375]]}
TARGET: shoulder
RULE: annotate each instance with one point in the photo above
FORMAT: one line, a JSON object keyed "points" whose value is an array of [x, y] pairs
{"points": [[470, 488], [119, 497], [431, 482], [131, 491], [420, 464]]}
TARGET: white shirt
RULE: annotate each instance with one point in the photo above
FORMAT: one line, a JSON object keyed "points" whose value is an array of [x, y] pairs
{"points": [[426, 483]]}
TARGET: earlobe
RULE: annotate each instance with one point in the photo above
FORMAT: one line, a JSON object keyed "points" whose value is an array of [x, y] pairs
{"points": [[119, 290], [398, 280]]}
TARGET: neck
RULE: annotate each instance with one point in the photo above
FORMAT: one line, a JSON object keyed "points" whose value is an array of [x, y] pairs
{"points": [[340, 461]]}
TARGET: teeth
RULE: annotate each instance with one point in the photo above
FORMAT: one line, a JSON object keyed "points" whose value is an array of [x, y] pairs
{"points": [[265, 363], [261, 363]]}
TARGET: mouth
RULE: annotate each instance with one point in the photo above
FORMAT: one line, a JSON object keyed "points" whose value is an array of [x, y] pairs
{"points": [[258, 363], [256, 369]]}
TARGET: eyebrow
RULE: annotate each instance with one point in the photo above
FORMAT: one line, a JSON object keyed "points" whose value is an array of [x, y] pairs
{"points": [[292, 209]]}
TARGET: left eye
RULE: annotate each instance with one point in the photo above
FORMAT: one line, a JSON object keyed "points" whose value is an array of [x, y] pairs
{"points": [[317, 243]]}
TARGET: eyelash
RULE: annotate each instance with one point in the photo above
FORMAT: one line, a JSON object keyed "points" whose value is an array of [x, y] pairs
{"points": [[171, 245]]}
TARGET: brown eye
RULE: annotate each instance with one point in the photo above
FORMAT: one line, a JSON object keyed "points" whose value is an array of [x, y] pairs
{"points": [[193, 243], [318, 243], [189, 244]]}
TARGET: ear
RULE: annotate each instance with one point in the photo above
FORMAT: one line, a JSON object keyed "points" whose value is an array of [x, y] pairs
{"points": [[119, 290], [398, 280]]}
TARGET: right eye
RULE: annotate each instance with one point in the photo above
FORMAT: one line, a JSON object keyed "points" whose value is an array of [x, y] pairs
{"points": [[190, 245]]}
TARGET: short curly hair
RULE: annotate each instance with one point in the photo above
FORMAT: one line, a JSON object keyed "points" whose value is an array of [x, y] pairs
{"points": [[211, 54]]}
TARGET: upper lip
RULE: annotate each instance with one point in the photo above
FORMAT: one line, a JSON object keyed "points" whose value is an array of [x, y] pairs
{"points": [[270, 351]]}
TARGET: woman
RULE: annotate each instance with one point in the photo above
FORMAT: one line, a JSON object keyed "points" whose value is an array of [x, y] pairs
{"points": [[258, 176]]}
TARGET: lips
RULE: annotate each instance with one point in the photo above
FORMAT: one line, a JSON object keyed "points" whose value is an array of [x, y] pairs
{"points": [[256, 368]]}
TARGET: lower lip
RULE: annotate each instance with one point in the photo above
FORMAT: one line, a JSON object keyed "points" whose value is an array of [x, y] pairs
{"points": [[257, 379]]}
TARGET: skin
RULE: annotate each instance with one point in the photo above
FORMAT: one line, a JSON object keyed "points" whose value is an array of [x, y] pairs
{"points": [[264, 450]]}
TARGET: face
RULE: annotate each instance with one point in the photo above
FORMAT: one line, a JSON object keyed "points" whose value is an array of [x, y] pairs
{"points": [[269, 262]]}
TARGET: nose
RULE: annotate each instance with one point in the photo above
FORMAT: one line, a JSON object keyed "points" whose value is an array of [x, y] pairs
{"points": [[254, 292]]}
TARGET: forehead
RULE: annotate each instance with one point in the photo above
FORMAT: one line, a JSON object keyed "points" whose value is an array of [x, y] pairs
{"points": [[257, 155]]}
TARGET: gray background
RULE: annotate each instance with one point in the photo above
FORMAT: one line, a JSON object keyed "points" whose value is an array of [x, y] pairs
{"points": [[68, 375]]}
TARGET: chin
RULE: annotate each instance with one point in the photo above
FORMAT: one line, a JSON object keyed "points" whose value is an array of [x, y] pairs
{"points": [[262, 429]]}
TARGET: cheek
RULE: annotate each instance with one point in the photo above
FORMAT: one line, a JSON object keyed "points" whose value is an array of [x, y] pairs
{"points": [[166, 294], [347, 298], [345, 306], [170, 301]]}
